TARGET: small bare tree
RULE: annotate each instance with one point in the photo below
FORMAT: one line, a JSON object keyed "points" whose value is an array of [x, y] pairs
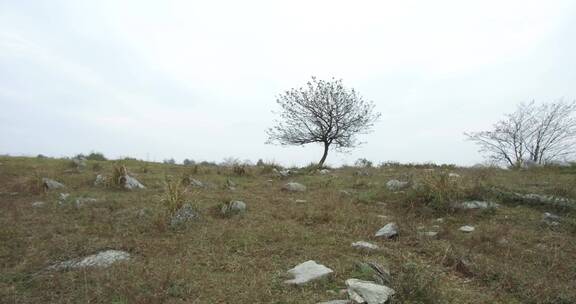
{"points": [[322, 112], [534, 133]]}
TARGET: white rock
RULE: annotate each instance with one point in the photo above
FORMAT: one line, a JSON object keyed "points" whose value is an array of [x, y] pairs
{"points": [[101, 259], [38, 204], [364, 245], [388, 231], [466, 228], [64, 196], [368, 292], [131, 183], [324, 171], [300, 201], [50, 184], [453, 175], [395, 185], [308, 271], [551, 219], [294, 187]]}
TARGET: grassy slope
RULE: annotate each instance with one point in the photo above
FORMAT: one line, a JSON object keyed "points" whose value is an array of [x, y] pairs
{"points": [[511, 257]]}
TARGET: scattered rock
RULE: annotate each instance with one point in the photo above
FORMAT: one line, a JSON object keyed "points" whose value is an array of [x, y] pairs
{"points": [[389, 231], [50, 184], [453, 175], [368, 292], [475, 205], [283, 173], [439, 220], [365, 246], [396, 185], [131, 183], [466, 228], [294, 187], [233, 207], [185, 214], [101, 259], [307, 271], [300, 201], [38, 204], [324, 171]]}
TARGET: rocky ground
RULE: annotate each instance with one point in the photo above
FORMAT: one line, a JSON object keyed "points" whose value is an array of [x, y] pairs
{"points": [[136, 232]]}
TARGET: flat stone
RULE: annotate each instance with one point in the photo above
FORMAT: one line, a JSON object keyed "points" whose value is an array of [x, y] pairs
{"points": [[466, 228], [300, 201], [308, 271], [294, 187], [431, 234], [101, 259], [38, 204], [388, 231], [368, 292], [362, 245]]}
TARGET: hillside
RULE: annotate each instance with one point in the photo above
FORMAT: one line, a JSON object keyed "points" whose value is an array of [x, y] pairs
{"points": [[515, 253]]}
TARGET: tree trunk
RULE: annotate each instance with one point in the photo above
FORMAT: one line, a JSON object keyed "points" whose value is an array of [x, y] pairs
{"points": [[321, 163]]}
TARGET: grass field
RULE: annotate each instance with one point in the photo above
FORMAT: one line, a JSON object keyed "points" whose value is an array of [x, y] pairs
{"points": [[511, 257]]}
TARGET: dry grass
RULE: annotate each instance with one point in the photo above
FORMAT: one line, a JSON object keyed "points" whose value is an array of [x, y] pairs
{"points": [[511, 257]]}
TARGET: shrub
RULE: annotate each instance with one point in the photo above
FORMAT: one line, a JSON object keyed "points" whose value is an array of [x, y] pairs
{"points": [[437, 191], [363, 163], [96, 156], [173, 197]]}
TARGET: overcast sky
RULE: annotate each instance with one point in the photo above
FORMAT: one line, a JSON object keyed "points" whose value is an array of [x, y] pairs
{"points": [[199, 79]]}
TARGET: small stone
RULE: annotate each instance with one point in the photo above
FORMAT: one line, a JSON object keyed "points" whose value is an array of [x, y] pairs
{"points": [[85, 200], [196, 183], [368, 292], [466, 228], [396, 185], [233, 207], [294, 187], [131, 183], [453, 175], [362, 245], [551, 219], [324, 171], [389, 231], [64, 196], [101, 259], [50, 184], [38, 204], [345, 192], [300, 201], [100, 180], [430, 234], [476, 205], [307, 271], [185, 214]]}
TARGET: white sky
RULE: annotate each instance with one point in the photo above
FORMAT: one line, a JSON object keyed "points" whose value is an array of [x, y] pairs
{"points": [[191, 79]]}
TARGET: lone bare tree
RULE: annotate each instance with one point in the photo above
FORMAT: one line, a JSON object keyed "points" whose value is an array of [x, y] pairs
{"points": [[323, 112], [533, 133]]}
